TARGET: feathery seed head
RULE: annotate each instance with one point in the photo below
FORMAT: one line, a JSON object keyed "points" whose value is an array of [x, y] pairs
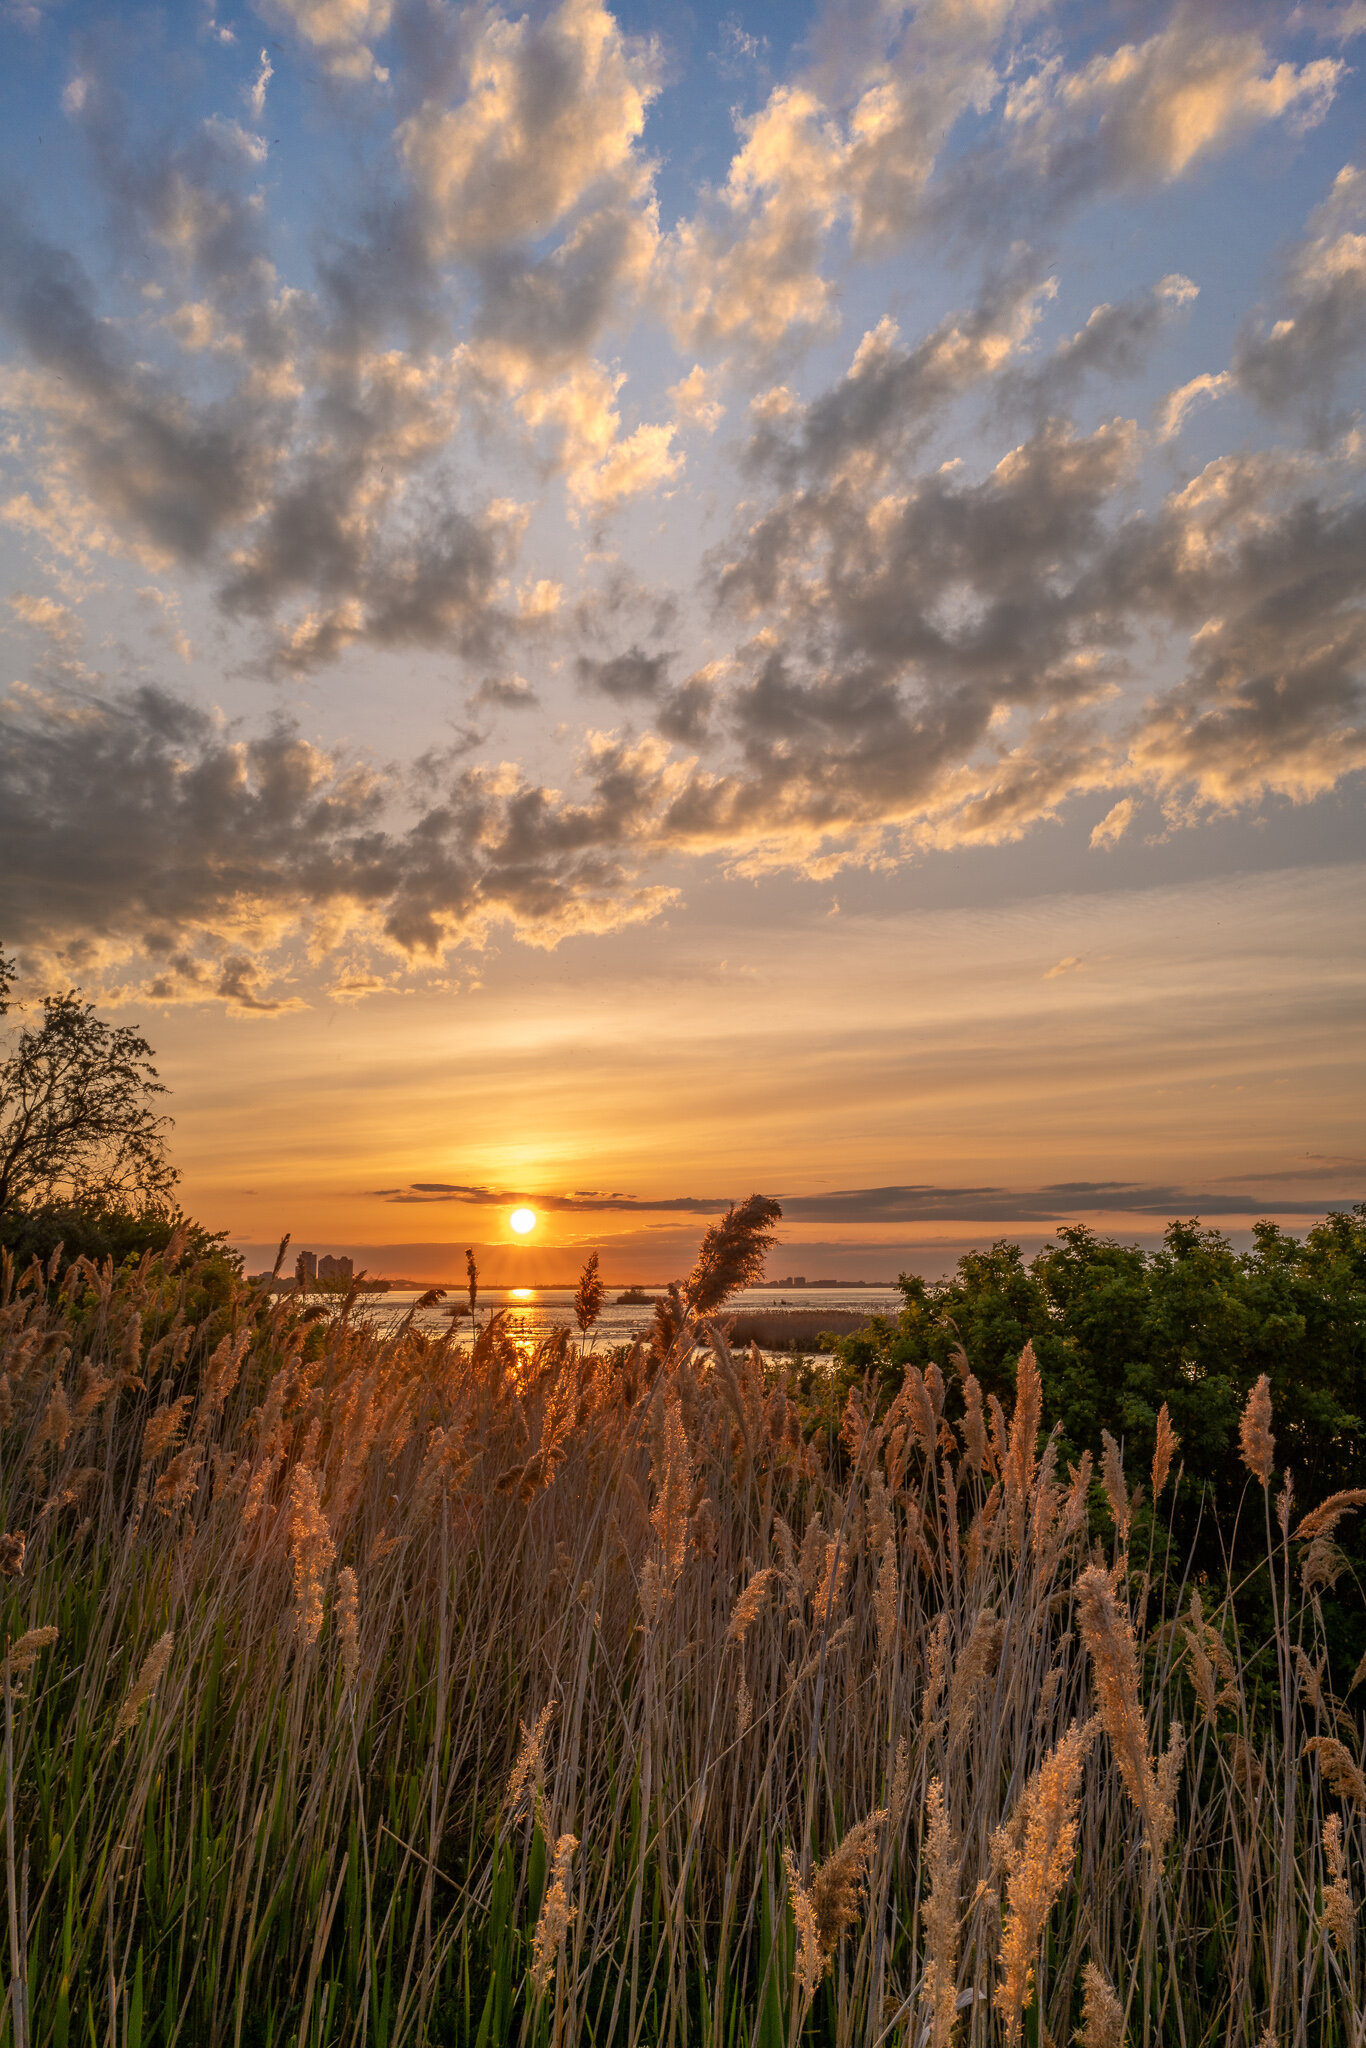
{"points": [[1254, 1432], [311, 1551], [22, 1656], [1102, 2015], [556, 1916], [145, 1684], [1168, 1444]]}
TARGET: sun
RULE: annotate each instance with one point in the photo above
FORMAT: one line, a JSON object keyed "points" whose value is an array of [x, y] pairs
{"points": [[523, 1220]]}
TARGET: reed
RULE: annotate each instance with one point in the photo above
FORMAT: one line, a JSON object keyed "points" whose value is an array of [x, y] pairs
{"points": [[369, 1686]]}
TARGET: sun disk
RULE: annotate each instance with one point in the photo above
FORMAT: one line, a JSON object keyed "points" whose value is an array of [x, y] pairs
{"points": [[523, 1220]]}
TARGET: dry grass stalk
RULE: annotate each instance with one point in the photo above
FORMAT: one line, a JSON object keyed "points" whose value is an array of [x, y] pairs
{"points": [[556, 1916], [145, 1684], [1254, 1432], [826, 1910], [1168, 1444], [943, 1922], [1102, 2015], [311, 1551], [1339, 1911], [12, 1548], [1037, 1847], [1109, 1638]]}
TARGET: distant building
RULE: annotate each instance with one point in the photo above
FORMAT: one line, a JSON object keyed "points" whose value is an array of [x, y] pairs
{"points": [[334, 1269], [306, 1268]]}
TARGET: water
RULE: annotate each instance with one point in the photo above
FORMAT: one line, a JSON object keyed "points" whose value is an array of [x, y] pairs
{"points": [[532, 1312]]}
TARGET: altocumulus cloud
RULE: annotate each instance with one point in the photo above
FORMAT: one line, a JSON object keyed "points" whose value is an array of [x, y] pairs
{"points": [[951, 588]]}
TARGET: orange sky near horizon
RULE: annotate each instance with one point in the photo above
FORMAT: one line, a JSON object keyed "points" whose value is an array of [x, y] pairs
{"points": [[1203, 1039]]}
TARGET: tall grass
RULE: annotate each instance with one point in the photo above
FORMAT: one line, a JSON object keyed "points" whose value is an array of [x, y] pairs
{"points": [[410, 1691]]}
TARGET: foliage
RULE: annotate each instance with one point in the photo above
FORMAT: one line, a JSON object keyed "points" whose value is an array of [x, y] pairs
{"points": [[365, 1686], [77, 1121], [69, 1232], [1119, 1331]]}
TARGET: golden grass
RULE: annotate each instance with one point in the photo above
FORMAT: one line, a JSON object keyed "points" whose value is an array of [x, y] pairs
{"points": [[367, 1687]]}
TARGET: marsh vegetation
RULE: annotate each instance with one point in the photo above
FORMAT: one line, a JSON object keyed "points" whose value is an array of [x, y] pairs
{"points": [[388, 1687]]}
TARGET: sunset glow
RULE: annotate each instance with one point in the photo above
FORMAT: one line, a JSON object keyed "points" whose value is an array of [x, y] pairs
{"points": [[792, 622]]}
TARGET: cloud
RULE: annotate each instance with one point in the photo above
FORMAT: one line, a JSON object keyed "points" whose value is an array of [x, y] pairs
{"points": [[927, 1204], [693, 400], [138, 823], [477, 1196], [1114, 343], [1149, 111], [552, 107], [897, 1204], [893, 396], [1323, 322], [339, 32], [1177, 405], [1115, 823]]}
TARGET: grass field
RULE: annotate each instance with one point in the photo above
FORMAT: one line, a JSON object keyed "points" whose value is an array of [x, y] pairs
{"points": [[383, 1689]]}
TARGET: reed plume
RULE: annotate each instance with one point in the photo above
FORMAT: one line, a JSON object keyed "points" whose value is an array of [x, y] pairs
{"points": [[528, 1768], [348, 1623], [1168, 1444], [556, 1916], [672, 1473], [1102, 2015], [732, 1254], [145, 1684], [828, 1907], [311, 1551], [1021, 1450], [589, 1295], [1339, 1912], [1037, 1847], [163, 1428], [939, 1986], [750, 1604], [1109, 1638], [1116, 1492], [886, 1601], [1341, 1769], [1323, 1520], [22, 1655], [1254, 1432]]}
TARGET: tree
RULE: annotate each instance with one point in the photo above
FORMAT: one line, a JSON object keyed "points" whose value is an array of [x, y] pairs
{"points": [[78, 1123]]}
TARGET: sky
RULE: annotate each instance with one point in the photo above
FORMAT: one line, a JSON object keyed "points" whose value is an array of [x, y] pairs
{"points": [[616, 608]]}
